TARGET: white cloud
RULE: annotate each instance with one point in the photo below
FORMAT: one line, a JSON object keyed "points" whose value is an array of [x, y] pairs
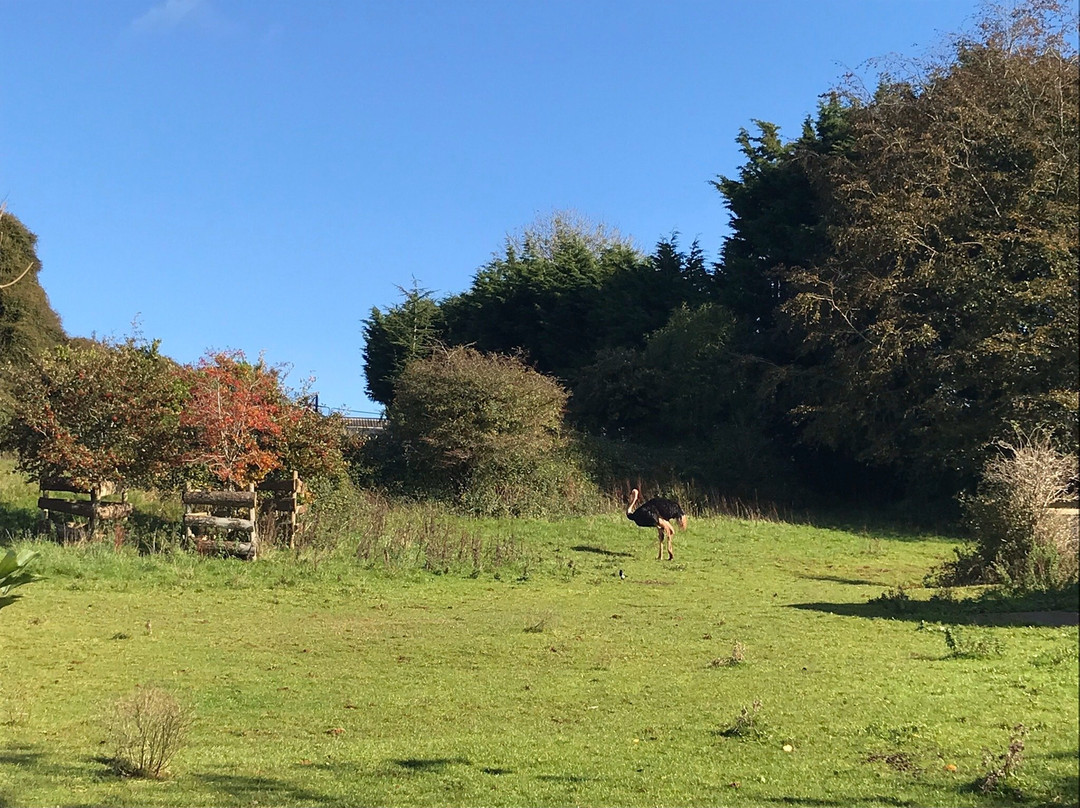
{"points": [[171, 14]]}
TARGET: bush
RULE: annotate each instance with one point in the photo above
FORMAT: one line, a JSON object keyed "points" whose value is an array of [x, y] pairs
{"points": [[482, 432], [1020, 540], [148, 727], [95, 412]]}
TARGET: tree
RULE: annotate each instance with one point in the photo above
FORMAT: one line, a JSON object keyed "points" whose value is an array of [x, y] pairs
{"points": [[28, 324], [945, 308], [396, 337], [617, 395], [776, 222], [312, 444], [240, 424], [638, 297], [674, 389], [692, 357], [540, 298], [93, 412], [233, 418]]}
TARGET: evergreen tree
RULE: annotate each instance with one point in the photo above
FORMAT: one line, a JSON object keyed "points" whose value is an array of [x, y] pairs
{"points": [[541, 296], [395, 337], [28, 325]]}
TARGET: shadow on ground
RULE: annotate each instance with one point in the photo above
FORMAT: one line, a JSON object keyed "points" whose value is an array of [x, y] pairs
{"points": [[249, 790], [928, 611], [584, 548], [428, 764]]}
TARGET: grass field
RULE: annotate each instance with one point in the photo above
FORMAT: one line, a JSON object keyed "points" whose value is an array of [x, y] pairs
{"points": [[755, 669]]}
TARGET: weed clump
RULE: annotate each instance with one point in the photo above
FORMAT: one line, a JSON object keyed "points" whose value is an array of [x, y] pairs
{"points": [[895, 602], [748, 724], [737, 657], [1003, 766], [966, 643], [148, 727]]}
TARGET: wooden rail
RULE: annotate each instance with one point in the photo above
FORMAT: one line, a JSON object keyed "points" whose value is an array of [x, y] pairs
{"points": [[209, 514], [284, 501], [94, 510]]}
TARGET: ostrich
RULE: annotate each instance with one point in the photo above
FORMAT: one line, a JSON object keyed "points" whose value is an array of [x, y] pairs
{"points": [[658, 513]]}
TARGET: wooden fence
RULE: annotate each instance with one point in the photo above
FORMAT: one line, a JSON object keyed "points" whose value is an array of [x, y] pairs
{"points": [[94, 510], [212, 523], [283, 504], [227, 522]]}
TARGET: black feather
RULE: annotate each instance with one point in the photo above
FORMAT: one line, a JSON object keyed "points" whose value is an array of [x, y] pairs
{"points": [[649, 514]]}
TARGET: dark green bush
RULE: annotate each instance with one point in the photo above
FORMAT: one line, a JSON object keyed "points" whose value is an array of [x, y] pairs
{"points": [[484, 433]]}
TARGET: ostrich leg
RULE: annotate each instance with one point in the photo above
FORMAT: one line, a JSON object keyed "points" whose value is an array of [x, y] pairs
{"points": [[665, 529]]}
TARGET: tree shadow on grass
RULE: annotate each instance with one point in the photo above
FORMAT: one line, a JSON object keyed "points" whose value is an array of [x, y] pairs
{"points": [[569, 779], [847, 801], [428, 764], [995, 611], [252, 790], [20, 756], [838, 579]]}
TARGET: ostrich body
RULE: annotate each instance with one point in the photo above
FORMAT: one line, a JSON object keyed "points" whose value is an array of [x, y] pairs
{"points": [[659, 513]]}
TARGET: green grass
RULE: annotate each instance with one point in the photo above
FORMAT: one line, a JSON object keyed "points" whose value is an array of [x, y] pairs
{"points": [[547, 680]]}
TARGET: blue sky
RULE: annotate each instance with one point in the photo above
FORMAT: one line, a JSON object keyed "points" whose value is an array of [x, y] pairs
{"points": [[258, 174]]}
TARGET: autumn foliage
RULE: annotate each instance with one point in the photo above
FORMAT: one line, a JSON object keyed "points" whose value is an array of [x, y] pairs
{"points": [[232, 418], [240, 425], [97, 411]]}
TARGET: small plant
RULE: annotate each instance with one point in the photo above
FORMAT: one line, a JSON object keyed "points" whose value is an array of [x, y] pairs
{"points": [[148, 727], [749, 723], [899, 761], [738, 656], [966, 643], [1001, 767], [538, 624], [1054, 656], [13, 573], [970, 644]]}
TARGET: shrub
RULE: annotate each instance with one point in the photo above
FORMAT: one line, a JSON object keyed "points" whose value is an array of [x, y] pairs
{"points": [[483, 432], [240, 424], [148, 727], [95, 412], [1019, 539]]}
